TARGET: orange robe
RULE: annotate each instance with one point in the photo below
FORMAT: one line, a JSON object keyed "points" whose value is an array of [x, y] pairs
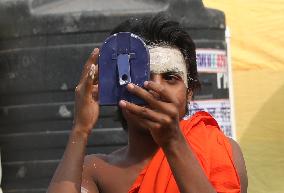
{"points": [[211, 148]]}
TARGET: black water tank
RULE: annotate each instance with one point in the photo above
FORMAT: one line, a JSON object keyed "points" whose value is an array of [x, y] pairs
{"points": [[43, 46]]}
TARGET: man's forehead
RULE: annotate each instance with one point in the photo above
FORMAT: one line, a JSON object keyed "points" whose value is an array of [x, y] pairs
{"points": [[165, 55], [165, 49], [167, 58]]}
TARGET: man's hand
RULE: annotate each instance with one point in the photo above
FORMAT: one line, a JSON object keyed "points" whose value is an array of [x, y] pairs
{"points": [[68, 175], [86, 96], [161, 115]]}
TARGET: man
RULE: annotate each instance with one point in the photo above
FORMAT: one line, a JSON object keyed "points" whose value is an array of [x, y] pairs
{"points": [[165, 154]]}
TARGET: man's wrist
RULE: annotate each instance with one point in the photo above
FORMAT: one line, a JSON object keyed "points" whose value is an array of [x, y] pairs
{"points": [[81, 132], [175, 144]]}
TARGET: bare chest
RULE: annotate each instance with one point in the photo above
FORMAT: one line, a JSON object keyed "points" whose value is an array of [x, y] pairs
{"points": [[116, 180]]}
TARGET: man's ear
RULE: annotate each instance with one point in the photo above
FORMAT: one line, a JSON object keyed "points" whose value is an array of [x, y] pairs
{"points": [[189, 95]]}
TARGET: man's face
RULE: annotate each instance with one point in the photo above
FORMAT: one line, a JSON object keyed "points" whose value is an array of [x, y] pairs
{"points": [[168, 69]]}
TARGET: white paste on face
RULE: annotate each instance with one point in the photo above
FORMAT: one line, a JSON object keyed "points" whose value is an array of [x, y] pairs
{"points": [[84, 190], [168, 59]]}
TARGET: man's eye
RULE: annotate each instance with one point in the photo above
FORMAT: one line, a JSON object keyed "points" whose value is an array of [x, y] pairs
{"points": [[172, 76]]}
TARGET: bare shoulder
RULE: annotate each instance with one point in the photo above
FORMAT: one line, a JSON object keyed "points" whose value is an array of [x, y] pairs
{"points": [[100, 161], [240, 164], [90, 172], [91, 158], [101, 171], [94, 163], [100, 166]]}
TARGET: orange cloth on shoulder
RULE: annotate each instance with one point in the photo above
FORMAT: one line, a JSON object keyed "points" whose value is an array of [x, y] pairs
{"points": [[211, 148]]}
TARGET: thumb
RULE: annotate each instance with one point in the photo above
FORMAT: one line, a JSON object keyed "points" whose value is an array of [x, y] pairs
{"points": [[91, 78]]}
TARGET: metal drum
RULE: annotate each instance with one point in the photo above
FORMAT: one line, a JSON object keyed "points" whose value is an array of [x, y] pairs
{"points": [[43, 46]]}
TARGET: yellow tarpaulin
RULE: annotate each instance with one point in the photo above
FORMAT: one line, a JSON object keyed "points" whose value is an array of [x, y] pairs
{"points": [[257, 43]]}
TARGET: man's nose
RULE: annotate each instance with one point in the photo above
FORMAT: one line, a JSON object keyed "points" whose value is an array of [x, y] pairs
{"points": [[157, 78]]}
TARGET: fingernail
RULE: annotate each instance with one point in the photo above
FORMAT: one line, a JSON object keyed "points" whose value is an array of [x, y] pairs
{"points": [[146, 83], [122, 103], [94, 51], [130, 86]]}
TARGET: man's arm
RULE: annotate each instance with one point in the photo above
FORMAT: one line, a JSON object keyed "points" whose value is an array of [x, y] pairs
{"points": [[240, 164], [68, 175], [88, 184], [186, 169], [162, 119], [178, 157]]}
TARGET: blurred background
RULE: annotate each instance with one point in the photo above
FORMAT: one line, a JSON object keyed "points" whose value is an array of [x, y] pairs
{"points": [[257, 37], [44, 44]]}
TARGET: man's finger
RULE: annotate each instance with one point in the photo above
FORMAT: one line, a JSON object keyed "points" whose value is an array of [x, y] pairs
{"points": [[152, 100], [150, 124], [144, 112], [93, 74], [94, 91], [91, 60], [164, 94], [93, 57], [90, 79]]}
